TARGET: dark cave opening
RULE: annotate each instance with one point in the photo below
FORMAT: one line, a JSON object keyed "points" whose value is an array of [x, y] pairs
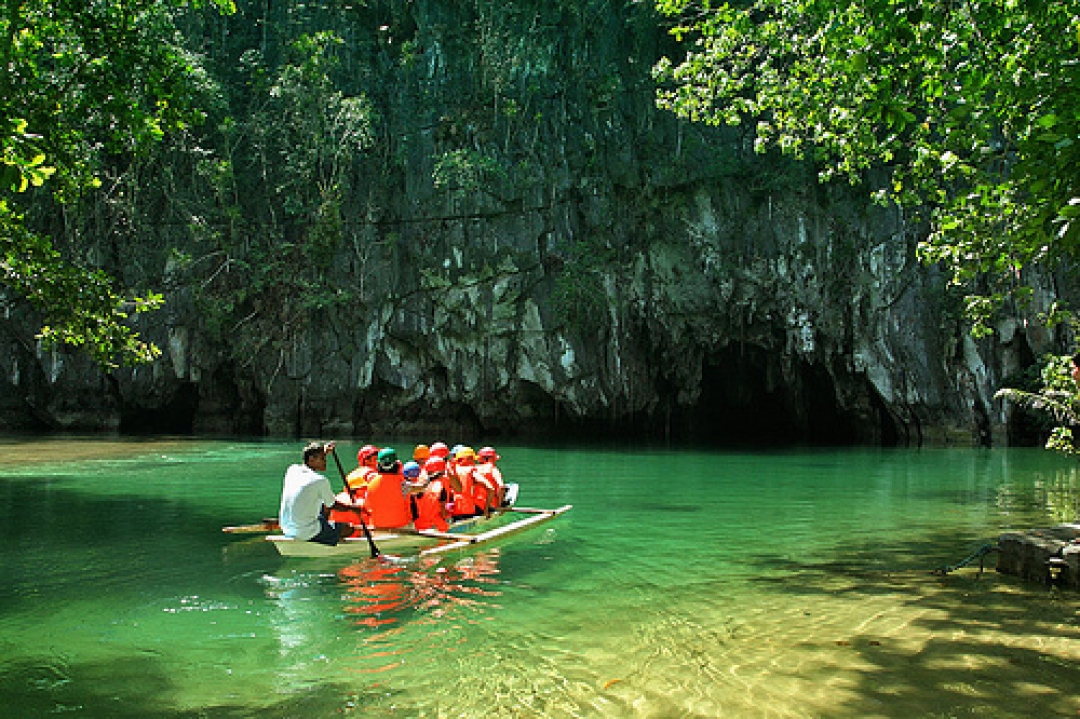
{"points": [[176, 416], [747, 400]]}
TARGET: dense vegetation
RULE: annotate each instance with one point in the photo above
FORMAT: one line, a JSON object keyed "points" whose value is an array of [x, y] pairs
{"points": [[87, 88], [967, 114], [972, 110]]}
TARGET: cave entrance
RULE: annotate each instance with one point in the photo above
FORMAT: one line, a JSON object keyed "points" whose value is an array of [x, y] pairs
{"points": [[746, 400], [176, 416]]}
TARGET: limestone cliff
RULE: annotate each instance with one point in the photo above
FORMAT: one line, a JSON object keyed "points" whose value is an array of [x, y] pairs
{"points": [[519, 244]]}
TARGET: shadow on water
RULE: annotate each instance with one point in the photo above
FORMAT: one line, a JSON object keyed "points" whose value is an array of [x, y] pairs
{"points": [[979, 643], [67, 544], [140, 687]]}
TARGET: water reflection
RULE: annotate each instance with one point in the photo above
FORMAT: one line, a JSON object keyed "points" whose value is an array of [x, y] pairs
{"points": [[382, 593], [1055, 493]]}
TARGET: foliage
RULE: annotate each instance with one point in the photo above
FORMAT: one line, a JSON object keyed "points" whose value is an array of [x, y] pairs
{"points": [[84, 81], [82, 308], [270, 266], [972, 108], [466, 171], [579, 295], [1057, 398]]}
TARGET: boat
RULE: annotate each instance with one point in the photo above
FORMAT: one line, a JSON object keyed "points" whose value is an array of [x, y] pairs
{"points": [[463, 533], [423, 542]]}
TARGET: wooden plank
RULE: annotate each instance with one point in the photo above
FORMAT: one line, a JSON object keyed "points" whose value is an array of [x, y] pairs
{"points": [[268, 525], [536, 518], [521, 524], [436, 534]]}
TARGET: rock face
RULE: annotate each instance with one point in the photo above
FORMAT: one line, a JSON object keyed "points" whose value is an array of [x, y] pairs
{"points": [[526, 246]]}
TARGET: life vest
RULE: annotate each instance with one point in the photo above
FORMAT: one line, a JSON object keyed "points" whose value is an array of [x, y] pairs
{"points": [[465, 498], [346, 516], [491, 473], [386, 503], [359, 479], [431, 506]]}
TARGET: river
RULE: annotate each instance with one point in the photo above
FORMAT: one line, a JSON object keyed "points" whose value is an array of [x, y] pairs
{"points": [[684, 583]]}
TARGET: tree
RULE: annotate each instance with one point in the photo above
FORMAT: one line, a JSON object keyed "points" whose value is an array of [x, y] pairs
{"points": [[1057, 398], [84, 81], [971, 108]]}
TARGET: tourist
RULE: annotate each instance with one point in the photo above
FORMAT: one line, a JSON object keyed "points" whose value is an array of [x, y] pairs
{"points": [[487, 457], [472, 493], [387, 503], [433, 504], [365, 471], [306, 498]]}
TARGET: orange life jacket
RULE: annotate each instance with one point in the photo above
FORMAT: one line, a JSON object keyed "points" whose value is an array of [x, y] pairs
{"points": [[359, 478], [345, 516], [385, 503], [465, 500], [491, 473], [431, 506]]}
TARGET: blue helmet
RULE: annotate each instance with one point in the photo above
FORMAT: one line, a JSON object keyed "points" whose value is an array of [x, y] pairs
{"points": [[412, 470]]}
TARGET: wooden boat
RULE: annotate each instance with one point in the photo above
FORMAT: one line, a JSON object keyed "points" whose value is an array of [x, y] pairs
{"points": [[410, 541], [463, 533]]}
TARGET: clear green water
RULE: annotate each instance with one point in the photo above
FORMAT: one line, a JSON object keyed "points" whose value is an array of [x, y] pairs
{"points": [[682, 584]]}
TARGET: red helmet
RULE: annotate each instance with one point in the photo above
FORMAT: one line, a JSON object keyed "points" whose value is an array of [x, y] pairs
{"points": [[367, 452], [439, 449], [435, 464], [488, 454]]}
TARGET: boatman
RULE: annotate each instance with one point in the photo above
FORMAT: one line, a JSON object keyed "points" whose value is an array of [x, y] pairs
{"points": [[306, 499]]}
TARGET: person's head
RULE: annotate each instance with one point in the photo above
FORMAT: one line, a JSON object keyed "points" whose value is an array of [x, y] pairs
{"points": [[488, 454], [421, 453], [435, 466], [439, 449], [315, 455], [411, 470], [465, 455], [388, 461], [368, 454]]}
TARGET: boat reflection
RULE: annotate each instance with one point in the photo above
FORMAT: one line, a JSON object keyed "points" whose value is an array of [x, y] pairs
{"points": [[379, 593]]}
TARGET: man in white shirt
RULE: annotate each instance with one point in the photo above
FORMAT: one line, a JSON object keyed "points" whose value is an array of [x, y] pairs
{"points": [[306, 499]]}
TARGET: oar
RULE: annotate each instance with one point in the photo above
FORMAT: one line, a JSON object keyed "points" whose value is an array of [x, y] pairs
{"points": [[359, 515]]}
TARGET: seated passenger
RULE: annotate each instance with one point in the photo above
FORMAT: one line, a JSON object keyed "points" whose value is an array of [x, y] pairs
{"points": [[432, 506], [366, 460], [386, 503], [306, 499], [472, 491], [487, 457]]}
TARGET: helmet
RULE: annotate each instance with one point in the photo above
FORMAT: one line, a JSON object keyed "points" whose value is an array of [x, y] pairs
{"points": [[412, 470], [366, 452], [421, 453], [489, 454], [439, 449], [387, 459], [466, 453], [435, 464]]}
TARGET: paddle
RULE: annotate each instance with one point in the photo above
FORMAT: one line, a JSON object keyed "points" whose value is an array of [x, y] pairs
{"points": [[359, 515]]}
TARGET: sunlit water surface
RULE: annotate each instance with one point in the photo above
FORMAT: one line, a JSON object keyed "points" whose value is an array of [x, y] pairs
{"points": [[682, 584]]}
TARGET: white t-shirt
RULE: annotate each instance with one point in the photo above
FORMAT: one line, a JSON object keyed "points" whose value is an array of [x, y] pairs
{"points": [[303, 495]]}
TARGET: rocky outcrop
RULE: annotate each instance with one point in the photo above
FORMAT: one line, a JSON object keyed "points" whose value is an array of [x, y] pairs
{"points": [[607, 269]]}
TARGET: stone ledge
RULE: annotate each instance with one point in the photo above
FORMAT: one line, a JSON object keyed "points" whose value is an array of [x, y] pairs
{"points": [[1047, 556]]}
